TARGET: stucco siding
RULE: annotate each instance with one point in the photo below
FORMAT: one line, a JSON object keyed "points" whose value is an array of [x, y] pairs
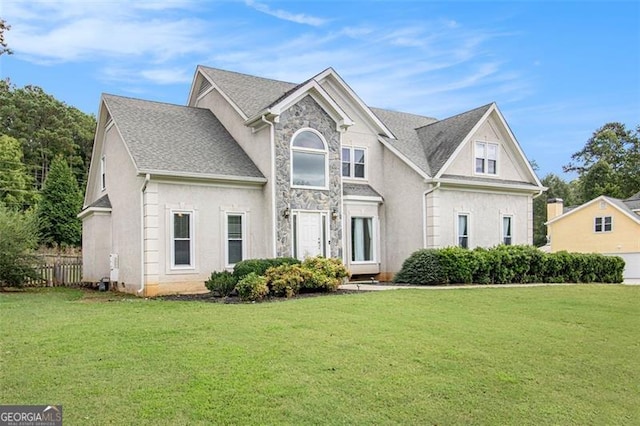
{"points": [[208, 204], [96, 246], [485, 211], [508, 167]]}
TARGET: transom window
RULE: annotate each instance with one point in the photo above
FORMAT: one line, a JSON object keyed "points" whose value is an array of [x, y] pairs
{"points": [[486, 156], [463, 230], [603, 224], [353, 162], [308, 160], [507, 229], [362, 239], [235, 247], [182, 239]]}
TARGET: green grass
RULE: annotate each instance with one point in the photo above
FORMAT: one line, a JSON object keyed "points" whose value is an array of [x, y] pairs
{"points": [[538, 355]]}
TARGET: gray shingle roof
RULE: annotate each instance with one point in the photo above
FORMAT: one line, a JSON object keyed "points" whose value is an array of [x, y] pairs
{"points": [[357, 189], [178, 139], [102, 202], [622, 205], [250, 93], [633, 202], [427, 142]]}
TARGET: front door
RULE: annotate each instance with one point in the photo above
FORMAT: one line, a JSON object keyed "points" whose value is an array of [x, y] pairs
{"points": [[310, 229]]}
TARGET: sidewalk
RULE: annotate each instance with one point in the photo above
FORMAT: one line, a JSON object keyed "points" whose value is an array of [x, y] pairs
{"points": [[388, 286]]}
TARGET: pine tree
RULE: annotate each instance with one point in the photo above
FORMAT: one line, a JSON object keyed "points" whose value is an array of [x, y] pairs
{"points": [[60, 204], [16, 191]]}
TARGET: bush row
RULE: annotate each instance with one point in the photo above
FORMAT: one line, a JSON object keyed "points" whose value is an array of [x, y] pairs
{"points": [[507, 264], [256, 279]]}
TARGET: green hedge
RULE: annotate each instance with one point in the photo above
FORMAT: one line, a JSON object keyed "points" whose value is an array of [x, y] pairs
{"points": [[507, 264]]}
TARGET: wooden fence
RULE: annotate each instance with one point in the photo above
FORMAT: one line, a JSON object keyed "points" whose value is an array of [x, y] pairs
{"points": [[58, 270]]}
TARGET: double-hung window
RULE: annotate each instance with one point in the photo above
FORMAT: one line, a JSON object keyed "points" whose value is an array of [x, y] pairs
{"points": [[353, 163], [507, 230], [486, 158], [235, 238], [463, 230], [603, 224], [308, 160], [362, 247], [182, 239]]}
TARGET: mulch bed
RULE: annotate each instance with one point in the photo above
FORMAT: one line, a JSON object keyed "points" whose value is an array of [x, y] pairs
{"points": [[212, 298]]}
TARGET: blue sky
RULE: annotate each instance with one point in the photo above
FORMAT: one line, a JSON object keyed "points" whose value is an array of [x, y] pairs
{"points": [[558, 70]]}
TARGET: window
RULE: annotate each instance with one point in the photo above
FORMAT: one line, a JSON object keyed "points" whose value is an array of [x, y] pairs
{"points": [[182, 239], [507, 229], [362, 239], [235, 238], [308, 160], [353, 161], [103, 172], [603, 224], [463, 230], [486, 158]]}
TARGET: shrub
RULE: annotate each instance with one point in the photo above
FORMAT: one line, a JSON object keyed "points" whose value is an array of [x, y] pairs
{"points": [[286, 280], [260, 266], [457, 265], [252, 287], [222, 283], [18, 239], [421, 268], [326, 273]]}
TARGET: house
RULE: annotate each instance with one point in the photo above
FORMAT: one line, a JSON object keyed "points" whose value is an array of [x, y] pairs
{"points": [[603, 225], [253, 168]]}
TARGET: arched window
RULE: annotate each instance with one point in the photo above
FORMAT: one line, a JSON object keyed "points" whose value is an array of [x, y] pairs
{"points": [[308, 160]]}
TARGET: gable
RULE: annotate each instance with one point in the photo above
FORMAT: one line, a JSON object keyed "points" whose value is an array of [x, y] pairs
{"points": [[180, 141], [600, 206]]}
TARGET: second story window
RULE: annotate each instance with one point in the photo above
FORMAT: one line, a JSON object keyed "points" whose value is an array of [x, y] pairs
{"points": [[603, 224], [486, 158], [353, 163], [308, 160]]}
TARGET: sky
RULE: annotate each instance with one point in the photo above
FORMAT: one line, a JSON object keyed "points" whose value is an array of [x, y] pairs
{"points": [[558, 70]]}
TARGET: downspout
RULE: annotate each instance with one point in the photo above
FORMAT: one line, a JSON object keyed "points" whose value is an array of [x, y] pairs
{"points": [[147, 177], [424, 213], [274, 214]]}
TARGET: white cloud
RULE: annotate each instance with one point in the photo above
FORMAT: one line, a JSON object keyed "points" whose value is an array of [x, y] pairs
{"points": [[298, 18]]}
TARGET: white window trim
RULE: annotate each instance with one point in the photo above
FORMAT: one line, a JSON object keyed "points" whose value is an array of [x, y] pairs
{"points": [[103, 172], [352, 163], [502, 235], [486, 173], [325, 152], [469, 227], [192, 245], [374, 240], [603, 231], [244, 216]]}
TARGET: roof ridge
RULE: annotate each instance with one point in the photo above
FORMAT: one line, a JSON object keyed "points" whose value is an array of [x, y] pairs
{"points": [[401, 112], [457, 115], [247, 75], [104, 94]]}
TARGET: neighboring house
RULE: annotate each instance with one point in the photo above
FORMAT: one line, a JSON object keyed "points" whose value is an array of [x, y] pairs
{"points": [[255, 168], [603, 225]]}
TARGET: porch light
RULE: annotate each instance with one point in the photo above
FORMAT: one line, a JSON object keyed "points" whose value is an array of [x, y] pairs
{"points": [[285, 213], [334, 214]]}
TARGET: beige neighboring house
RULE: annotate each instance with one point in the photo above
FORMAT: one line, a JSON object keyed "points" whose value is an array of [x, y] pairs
{"points": [[254, 168], [603, 225]]}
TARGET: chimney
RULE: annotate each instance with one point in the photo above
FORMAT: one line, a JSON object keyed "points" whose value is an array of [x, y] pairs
{"points": [[555, 207]]}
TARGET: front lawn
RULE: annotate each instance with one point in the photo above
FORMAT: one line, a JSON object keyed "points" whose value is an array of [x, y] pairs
{"points": [[538, 355]]}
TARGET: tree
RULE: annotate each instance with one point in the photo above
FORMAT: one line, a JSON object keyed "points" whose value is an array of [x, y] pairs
{"points": [[46, 127], [60, 204], [614, 151], [18, 239], [16, 190], [3, 44], [599, 180], [558, 188]]}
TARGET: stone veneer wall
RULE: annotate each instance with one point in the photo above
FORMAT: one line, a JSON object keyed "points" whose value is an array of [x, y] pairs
{"points": [[307, 114]]}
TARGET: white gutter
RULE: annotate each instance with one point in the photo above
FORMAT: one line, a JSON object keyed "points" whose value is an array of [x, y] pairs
{"points": [[274, 213], [142, 190], [424, 213]]}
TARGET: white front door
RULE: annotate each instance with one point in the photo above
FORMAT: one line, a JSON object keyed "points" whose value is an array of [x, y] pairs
{"points": [[310, 233]]}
